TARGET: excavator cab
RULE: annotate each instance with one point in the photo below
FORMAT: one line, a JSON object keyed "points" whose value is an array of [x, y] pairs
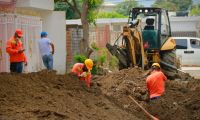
{"points": [[155, 26]]}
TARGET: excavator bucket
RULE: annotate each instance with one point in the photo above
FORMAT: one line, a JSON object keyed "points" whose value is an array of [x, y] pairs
{"points": [[119, 53]]}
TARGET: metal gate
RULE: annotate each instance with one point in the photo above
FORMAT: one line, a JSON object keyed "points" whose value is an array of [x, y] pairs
{"points": [[31, 26]]}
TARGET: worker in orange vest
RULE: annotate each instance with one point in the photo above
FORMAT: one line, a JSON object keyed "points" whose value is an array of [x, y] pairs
{"points": [[16, 52], [83, 71], [156, 82]]}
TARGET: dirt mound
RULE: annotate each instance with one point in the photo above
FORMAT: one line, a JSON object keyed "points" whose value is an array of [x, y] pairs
{"points": [[45, 95], [180, 102]]}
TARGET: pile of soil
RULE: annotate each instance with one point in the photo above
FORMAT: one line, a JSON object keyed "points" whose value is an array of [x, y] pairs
{"points": [[45, 95], [181, 100]]}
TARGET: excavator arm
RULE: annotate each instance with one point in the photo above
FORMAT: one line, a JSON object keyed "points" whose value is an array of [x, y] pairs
{"points": [[131, 52]]}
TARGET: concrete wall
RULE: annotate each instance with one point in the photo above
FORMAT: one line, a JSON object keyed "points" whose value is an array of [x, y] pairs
{"points": [[184, 23], [54, 24], [185, 26], [37, 4]]}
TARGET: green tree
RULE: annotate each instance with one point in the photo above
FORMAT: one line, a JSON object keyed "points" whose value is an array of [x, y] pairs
{"points": [[124, 7], [63, 6], [173, 5], [165, 4], [86, 11], [183, 5], [110, 15], [195, 11]]}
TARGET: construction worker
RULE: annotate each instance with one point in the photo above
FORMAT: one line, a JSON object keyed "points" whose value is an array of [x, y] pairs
{"points": [[83, 71], [16, 52], [156, 82], [46, 50]]}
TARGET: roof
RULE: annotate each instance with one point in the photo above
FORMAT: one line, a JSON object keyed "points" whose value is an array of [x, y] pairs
{"points": [[99, 21]]}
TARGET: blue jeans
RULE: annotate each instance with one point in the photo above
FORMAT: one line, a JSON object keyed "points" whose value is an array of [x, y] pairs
{"points": [[48, 61], [16, 67]]}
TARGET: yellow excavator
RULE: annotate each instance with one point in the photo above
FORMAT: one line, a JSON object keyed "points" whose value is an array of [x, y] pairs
{"points": [[146, 39]]}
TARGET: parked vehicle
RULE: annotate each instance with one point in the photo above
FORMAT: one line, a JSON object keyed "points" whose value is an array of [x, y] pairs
{"points": [[188, 51]]}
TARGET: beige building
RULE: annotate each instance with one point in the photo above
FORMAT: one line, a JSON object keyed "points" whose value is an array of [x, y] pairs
{"points": [[185, 26], [33, 16]]}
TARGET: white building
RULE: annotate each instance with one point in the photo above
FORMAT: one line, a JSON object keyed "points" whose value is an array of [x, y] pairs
{"points": [[185, 26], [33, 16]]}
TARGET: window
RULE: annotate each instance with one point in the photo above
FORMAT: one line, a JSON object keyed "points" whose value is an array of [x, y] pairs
{"points": [[164, 25], [195, 43], [165, 29], [181, 43]]}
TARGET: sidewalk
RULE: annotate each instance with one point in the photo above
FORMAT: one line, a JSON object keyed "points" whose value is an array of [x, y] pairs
{"points": [[193, 71]]}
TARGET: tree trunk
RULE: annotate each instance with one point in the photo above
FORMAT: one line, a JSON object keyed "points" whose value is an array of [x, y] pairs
{"points": [[85, 41]]}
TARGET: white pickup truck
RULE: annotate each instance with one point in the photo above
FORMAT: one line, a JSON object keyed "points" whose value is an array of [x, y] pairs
{"points": [[188, 52]]}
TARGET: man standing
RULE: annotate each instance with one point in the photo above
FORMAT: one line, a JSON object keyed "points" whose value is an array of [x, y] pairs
{"points": [[46, 50], [156, 82], [16, 52]]}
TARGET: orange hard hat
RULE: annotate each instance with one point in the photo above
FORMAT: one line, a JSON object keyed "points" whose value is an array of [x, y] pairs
{"points": [[156, 64], [89, 64], [19, 32]]}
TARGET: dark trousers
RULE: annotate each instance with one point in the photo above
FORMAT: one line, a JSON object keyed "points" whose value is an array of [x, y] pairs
{"points": [[16, 67]]}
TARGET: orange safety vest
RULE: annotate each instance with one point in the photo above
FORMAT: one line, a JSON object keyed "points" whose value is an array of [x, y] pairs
{"points": [[12, 49], [78, 70], [156, 83]]}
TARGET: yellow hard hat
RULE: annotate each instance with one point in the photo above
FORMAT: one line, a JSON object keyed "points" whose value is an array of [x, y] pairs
{"points": [[155, 64], [89, 64]]}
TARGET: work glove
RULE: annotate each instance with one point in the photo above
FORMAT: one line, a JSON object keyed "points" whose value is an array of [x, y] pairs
{"points": [[84, 74]]}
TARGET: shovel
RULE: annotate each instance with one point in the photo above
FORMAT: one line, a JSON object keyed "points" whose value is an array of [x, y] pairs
{"points": [[146, 112]]}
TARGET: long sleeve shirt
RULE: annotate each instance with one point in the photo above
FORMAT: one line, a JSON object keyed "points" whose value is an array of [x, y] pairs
{"points": [[12, 49]]}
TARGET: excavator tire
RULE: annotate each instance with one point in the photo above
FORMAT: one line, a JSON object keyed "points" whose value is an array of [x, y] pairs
{"points": [[169, 57]]}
